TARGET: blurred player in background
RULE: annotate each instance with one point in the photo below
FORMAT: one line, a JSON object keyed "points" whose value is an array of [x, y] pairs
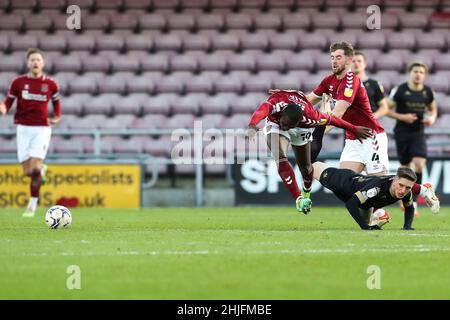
{"points": [[290, 118], [414, 107], [351, 104], [375, 91], [33, 92]]}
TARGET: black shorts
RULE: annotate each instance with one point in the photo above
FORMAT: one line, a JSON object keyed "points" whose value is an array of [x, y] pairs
{"points": [[338, 181], [410, 145]]}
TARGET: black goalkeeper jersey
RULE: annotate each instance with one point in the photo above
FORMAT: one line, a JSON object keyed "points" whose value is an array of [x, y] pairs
{"points": [[409, 101], [372, 191], [375, 92]]}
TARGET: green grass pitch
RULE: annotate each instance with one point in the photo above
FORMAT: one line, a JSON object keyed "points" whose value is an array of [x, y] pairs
{"points": [[223, 253]]}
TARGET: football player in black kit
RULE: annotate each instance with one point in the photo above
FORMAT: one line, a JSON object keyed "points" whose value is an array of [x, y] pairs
{"points": [[415, 109], [360, 192], [375, 90]]}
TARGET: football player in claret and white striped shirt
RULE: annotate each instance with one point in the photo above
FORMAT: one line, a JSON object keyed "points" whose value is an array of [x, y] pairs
{"points": [[33, 92]]}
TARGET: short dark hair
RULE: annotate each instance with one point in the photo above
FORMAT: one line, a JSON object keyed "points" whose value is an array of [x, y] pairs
{"points": [[362, 54], [344, 45], [293, 111], [406, 173], [31, 51], [417, 64]]}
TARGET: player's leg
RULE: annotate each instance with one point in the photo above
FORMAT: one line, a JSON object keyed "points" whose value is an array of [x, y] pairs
{"points": [[303, 159], [37, 152], [278, 146], [319, 168], [375, 155]]}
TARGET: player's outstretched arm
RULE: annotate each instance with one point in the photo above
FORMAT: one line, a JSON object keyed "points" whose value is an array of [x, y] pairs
{"points": [[352, 206], [409, 217]]}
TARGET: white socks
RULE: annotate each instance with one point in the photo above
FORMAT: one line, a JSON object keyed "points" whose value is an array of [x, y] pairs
{"points": [[32, 204]]}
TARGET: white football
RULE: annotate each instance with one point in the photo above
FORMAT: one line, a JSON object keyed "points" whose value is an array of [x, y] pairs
{"points": [[58, 217], [379, 218]]}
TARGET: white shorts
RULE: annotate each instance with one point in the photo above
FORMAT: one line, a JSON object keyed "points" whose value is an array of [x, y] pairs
{"points": [[297, 136], [373, 153], [32, 141]]}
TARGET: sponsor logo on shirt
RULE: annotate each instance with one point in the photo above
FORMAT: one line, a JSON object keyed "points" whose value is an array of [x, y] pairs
{"points": [[348, 92], [32, 96]]}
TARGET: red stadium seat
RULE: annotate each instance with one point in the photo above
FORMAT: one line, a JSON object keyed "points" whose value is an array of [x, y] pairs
{"points": [[226, 41], [390, 61], [154, 21], [108, 4], [13, 63], [11, 22], [269, 20], [210, 120], [137, 5], [116, 83], [430, 40], [178, 121], [199, 84], [288, 41], [52, 4], [438, 82], [210, 21], [67, 63], [181, 21], [196, 42], [95, 21], [223, 4], [305, 60], [7, 123], [212, 62], [215, 104], [96, 63], [326, 20], [253, 41], [118, 122], [298, 20], [239, 21], [165, 4], [189, 104], [247, 103], [270, 62], [414, 20], [442, 62], [23, 4], [84, 84], [110, 42], [23, 42], [53, 43], [4, 42], [74, 104], [313, 40], [101, 104], [168, 41], [139, 42], [130, 105], [371, 40], [64, 79], [236, 121], [154, 62], [173, 83], [255, 83], [160, 104], [400, 40], [292, 80], [5, 81], [84, 42], [243, 61], [419, 4], [141, 84], [38, 22]]}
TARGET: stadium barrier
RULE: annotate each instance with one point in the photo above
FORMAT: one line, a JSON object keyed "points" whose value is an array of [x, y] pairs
{"points": [[257, 182]]}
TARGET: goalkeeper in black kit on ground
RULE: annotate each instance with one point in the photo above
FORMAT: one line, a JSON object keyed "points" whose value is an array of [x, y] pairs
{"points": [[360, 192]]}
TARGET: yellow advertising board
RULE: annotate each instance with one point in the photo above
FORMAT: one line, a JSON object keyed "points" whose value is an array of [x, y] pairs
{"points": [[75, 185]]}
